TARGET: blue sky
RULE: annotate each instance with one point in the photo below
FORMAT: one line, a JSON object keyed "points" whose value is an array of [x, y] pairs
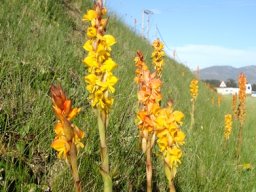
{"points": [[203, 32]]}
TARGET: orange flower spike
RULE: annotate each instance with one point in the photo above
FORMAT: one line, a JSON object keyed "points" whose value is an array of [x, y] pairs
{"points": [[64, 112], [242, 97]]}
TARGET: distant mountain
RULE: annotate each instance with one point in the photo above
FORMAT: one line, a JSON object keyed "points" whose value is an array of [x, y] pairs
{"points": [[228, 72]]}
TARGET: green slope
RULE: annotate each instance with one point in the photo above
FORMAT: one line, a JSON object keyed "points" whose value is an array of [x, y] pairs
{"points": [[41, 43]]}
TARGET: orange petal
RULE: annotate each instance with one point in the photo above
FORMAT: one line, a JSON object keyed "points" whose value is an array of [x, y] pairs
{"points": [[67, 107], [73, 113]]}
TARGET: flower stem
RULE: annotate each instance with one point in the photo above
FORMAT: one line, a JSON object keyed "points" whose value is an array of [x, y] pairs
{"points": [[73, 164], [149, 165], [192, 115], [239, 141], [170, 176], [172, 187], [104, 168]]}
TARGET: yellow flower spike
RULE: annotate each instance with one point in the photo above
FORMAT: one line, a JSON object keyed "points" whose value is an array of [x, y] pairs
{"points": [[194, 93], [228, 126], [194, 89], [157, 56], [100, 79]]}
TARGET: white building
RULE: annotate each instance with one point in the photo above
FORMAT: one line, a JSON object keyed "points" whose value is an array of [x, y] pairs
{"points": [[224, 90]]}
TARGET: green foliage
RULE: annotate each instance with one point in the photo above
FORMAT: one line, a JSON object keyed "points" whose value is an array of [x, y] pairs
{"points": [[41, 43], [231, 83], [213, 82]]}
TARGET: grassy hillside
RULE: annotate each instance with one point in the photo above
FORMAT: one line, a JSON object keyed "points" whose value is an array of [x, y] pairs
{"points": [[41, 43]]}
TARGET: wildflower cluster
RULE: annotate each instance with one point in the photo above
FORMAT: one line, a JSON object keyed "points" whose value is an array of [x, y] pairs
{"points": [[157, 56], [66, 132], [242, 97], [194, 89], [154, 121], [149, 97], [100, 79], [169, 136], [228, 126]]}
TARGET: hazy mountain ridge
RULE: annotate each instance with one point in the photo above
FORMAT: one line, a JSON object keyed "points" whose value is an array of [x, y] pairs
{"points": [[228, 72]]}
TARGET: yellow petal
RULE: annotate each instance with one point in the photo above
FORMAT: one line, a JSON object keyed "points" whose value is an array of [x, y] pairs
{"points": [[88, 46], [110, 40], [178, 116], [90, 61], [108, 65], [91, 79], [62, 146], [90, 15]]}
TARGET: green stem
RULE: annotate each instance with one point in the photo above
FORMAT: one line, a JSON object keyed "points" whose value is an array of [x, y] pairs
{"points": [[192, 115], [239, 141], [73, 164], [172, 187], [149, 166], [104, 168], [170, 176]]}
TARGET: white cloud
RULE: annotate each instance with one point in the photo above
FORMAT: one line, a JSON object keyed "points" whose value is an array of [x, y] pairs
{"points": [[210, 55]]}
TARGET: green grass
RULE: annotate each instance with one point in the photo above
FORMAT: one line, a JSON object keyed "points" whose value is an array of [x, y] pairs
{"points": [[41, 43]]}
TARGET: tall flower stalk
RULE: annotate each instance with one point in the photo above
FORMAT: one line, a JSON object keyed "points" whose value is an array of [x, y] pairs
{"points": [[169, 139], [228, 126], [241, 110], [100, 79], [67, 140], [158, 123], [157, 57], [194, 93], [148, 97]]}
